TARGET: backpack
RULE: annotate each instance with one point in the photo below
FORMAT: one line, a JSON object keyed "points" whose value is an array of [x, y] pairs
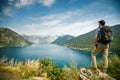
{"points": [[105, 36]]}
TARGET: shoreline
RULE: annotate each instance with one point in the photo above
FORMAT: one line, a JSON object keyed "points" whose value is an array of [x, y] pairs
{"points": [[84, 49]]}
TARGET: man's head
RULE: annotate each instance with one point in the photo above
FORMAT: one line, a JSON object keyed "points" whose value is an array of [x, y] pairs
{"points": [[101, 23]]}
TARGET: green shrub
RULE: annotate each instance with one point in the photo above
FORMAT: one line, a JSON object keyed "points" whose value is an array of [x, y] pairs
{"points": [[47, 66], [113, 66], [70, 73]]}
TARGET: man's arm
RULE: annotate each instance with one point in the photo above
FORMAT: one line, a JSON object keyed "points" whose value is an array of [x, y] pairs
{"points": [[96, 39]]}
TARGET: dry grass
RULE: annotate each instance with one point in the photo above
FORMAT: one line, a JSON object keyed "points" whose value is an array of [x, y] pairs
{"points": [[37, 68], [26, 69]]}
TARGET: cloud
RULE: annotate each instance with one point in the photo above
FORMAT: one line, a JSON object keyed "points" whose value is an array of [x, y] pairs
{"points": [[63, 16], [43, 24], [59, 27], [74, 28], [24, 3], [7, 11], [51, 23], [10, 2], [56, 19], [47, 3], [56, 24]]}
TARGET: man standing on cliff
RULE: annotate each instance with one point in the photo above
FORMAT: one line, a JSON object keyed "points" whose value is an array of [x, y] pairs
{"points": [[102, 38]]}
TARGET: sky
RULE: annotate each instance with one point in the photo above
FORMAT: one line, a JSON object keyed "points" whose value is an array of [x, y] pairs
{"points": [[57, 17]]}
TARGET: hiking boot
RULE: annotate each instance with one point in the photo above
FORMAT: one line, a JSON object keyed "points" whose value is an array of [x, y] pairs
{"points": [[104, 70], [85, 72], [95, 70], [82, 77]]}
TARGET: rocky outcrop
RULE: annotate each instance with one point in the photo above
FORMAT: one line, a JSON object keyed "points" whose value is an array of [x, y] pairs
{"points": [[88, 74], [43, 77]]}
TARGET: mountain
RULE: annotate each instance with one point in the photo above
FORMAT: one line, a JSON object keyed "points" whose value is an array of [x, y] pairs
{"points": [[86, 40], [40, 39], [9, 38], [82, 41], [62, 39]]}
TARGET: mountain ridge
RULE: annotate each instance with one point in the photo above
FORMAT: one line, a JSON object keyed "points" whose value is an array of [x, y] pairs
{"points": [[62, 39], [9, 38], [40, 39], [86, 40]]}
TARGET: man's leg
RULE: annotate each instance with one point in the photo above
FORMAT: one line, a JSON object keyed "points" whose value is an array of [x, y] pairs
{"points": [[105, 58], [93, 55]]}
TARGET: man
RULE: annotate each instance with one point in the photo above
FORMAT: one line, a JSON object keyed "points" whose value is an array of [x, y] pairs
{"points": [[100, 46]]}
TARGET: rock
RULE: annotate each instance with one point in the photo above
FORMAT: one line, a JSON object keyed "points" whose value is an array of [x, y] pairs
{"points": [[82, 77], [88, 74], [40, 78], [37, 78]]}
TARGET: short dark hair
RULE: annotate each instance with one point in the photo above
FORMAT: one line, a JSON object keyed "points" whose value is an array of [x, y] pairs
{"points": [[102, 22]]}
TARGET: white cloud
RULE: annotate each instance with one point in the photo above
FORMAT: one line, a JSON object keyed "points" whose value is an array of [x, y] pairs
{"points": [[42, 25], [7, 11], [74, 28], [10, 2], [63, 16], [59, 28], [23, 3], [52, 16], [56, 19], [47, 3], [70, 22], [51, 23]]}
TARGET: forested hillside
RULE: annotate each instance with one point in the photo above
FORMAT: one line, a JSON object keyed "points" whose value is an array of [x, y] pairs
{"points": [[86, 40], [62, 39]]}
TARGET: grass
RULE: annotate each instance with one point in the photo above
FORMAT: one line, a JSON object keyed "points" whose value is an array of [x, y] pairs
{"points": [[38, 68], [113, 66], [45, 67], [23, 70]]}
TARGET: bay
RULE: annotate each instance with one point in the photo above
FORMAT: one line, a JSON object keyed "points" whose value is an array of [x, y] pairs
{"points": [[60, 55]]}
